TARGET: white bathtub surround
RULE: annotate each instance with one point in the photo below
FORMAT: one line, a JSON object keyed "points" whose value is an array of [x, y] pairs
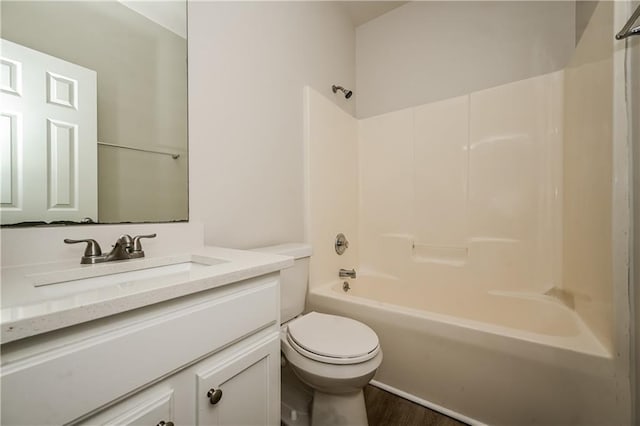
{"points": [[467, 190], [331, 169], [589, 173]]}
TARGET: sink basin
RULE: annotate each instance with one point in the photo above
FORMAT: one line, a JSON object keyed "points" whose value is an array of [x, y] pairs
{"points": [[91, 276], [140, 274]]}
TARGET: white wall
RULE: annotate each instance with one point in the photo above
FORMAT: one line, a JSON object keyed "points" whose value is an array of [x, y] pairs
{"points": [[248, 64], [427, 51], [584, 11]]}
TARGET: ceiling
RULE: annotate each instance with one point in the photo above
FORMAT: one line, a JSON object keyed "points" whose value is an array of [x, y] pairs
{"points": [[364, 11]]}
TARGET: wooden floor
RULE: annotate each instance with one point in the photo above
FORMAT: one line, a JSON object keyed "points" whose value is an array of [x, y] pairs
{"points": [[387, 409]]}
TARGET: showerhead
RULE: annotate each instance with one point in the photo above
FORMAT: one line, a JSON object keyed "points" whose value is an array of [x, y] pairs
{"points": [[347, 93]]}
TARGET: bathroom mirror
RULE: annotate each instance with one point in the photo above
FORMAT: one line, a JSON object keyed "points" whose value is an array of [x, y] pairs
{"points": [[94, 112]]}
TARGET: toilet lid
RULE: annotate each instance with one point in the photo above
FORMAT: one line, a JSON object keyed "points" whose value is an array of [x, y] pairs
{"points": [[333, 337]]}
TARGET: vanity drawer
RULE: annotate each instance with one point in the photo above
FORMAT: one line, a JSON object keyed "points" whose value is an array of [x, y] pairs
{"points": [[154, 406], [90, 373]]}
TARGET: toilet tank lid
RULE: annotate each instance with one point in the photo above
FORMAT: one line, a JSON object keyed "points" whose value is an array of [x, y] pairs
{"points": [[295, 250]]}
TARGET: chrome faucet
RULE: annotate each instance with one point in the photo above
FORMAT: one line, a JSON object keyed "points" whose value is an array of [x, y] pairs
{"points": [[121, 249], [124, 248], [347, 273]]}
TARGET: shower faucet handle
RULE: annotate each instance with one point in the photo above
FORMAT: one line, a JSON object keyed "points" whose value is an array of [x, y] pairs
{"points": [[342, 244]]}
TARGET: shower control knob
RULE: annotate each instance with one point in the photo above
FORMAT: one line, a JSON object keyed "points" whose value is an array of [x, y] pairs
{"points": [[214, 395], [163, 423], [341, 243]]}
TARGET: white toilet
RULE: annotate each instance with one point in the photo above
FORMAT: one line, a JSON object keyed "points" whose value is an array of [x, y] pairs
{"points": [[335, 356]]}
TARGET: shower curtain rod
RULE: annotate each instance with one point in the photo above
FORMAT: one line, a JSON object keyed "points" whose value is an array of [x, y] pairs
{"points": [[627, 31]]}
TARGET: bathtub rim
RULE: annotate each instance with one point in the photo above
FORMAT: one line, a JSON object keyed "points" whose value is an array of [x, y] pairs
{"points": [[534, 346]]}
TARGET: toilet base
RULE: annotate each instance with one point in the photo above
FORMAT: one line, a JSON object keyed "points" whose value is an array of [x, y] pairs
{"points": [[338, 410], [295, 399]]}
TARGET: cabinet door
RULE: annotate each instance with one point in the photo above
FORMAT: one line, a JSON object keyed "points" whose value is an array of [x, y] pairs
{"points": [[242, 389]]}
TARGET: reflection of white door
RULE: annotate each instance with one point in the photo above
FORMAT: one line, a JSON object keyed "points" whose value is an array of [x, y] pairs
{"points": [[48, 131]]}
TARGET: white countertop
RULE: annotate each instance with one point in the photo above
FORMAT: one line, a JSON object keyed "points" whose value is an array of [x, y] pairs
{"points": [[27, 310]]}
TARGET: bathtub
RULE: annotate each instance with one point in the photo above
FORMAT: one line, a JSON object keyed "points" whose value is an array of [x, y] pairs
{"points": [[486, 357]]}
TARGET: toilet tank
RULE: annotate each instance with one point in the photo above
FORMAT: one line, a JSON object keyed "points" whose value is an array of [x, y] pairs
{"points": [[293, 280]]}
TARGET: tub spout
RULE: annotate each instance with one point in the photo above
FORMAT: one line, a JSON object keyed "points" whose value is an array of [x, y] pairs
{"points": [[347, 273]]}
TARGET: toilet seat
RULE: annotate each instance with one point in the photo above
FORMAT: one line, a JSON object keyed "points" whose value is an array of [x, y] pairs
{"points": [[332, 339]]}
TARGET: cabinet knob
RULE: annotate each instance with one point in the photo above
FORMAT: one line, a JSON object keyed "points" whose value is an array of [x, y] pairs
{"points": [[214, 395], [163, 423]]}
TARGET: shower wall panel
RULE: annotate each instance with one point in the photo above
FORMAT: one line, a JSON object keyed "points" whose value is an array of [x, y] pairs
{"points": [[331, 160], [385, 154], [588, 158], [440, 160], [515, 179], [466, 190]]}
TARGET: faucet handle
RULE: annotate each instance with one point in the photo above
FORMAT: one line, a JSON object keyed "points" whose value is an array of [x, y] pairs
{"points": [[136, 241], [92, 249]]}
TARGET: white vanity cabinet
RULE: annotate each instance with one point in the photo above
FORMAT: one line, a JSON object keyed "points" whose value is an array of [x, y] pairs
{"points": [[243, 380], [209, 358]]}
